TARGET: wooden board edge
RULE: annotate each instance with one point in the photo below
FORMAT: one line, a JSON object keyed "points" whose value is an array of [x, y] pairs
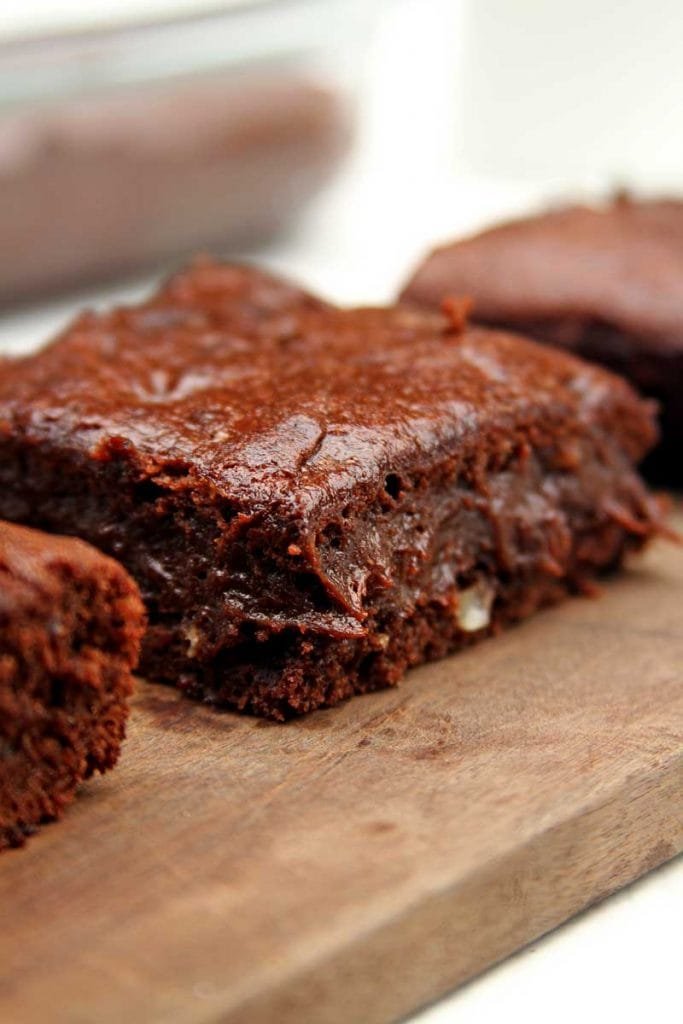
{"points": [[428, 949]]}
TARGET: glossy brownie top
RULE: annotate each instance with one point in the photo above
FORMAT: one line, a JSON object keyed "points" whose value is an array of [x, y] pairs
{"points": [[621, 264], [268, 395]]}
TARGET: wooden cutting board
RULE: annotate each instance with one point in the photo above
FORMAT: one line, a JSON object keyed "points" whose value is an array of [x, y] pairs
{"points": [[350, 866]]}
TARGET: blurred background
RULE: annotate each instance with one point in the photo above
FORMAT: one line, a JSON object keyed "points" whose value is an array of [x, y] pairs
{"points": [[334, 139]]}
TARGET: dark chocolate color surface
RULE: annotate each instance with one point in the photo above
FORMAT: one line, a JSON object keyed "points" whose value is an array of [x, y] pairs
{"points": [[302, 492], [324, 399]]}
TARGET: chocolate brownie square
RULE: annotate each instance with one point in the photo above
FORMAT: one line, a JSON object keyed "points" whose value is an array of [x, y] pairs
{"points": [[71, 621], [606, 283], [314, 499]]}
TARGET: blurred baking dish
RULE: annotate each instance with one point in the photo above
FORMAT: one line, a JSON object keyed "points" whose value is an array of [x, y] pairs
{"points": [[123, 143]]}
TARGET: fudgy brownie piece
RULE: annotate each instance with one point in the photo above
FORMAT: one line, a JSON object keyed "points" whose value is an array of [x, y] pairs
{"points": [[71, 621], [605, 283], [313, 499]]}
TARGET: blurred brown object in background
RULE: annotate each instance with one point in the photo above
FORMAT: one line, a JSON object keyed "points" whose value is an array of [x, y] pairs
{"points": [[104, 185], [605, 282]]}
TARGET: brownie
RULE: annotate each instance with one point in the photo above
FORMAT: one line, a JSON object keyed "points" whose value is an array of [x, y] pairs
{"points": [[606, 283], [313, 499], [71, 621]]}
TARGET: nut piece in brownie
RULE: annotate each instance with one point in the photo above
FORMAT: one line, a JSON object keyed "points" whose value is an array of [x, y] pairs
{"points": [[314, 499], [71, 621], [606, 283]]}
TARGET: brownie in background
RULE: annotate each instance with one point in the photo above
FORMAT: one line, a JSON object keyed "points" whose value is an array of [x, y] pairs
{"points": [[606, 283]]}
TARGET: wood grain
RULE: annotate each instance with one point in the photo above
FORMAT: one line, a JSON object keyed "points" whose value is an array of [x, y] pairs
{"points": [[355, 864]]}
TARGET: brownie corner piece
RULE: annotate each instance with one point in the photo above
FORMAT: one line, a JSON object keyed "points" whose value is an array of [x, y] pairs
{"points": [[314, 499], [71, 621]]}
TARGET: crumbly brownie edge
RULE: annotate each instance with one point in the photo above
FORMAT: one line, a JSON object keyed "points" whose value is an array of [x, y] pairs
{"points": [[65, 684]]}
